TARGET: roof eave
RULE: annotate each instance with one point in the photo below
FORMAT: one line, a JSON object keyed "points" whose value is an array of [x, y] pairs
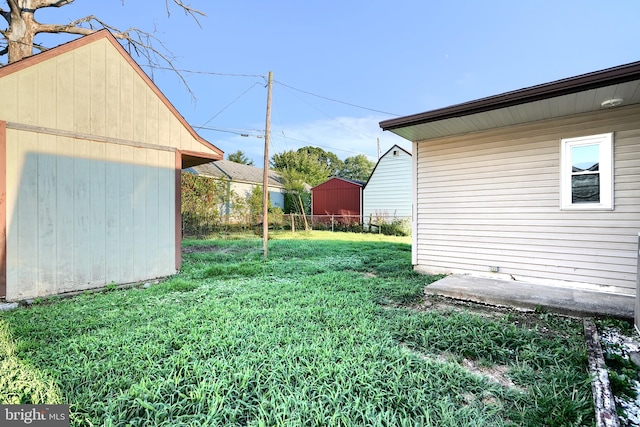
{"points": [[584, 82]]}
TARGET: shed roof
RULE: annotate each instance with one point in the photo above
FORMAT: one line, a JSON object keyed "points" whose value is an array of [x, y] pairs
{"points": [[350, 181], [395, 146], [237, 172], [573, 95]]}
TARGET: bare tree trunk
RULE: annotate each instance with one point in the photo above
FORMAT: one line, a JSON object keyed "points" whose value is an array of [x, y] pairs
{"points": [[20, 36], [22, 28]]}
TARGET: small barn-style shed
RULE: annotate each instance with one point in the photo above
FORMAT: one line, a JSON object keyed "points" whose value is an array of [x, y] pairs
{"points": [[540, 184], [338, 197], [387, 193], [91, 154]]}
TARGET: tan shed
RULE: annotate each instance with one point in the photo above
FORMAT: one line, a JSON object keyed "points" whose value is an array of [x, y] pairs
{"points": [[91, 152]]}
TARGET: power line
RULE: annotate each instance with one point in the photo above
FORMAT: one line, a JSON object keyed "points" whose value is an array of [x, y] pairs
{"points": [[212, 73], [336, 100], [237, 131], [331, 117], [229, 105], [275, 81]]}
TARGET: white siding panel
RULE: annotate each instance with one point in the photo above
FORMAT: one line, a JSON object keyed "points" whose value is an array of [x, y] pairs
{"points": [[65, 256], [98, 233], [166, 214], [27, 216], [151, 240], [492, 199], [140, 189], [81, 215], [126, 212], [47, 211], [388, 191], [113, 249]]}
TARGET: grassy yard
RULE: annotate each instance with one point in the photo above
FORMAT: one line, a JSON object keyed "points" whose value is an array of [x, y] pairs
{"points": [[331, 330]]}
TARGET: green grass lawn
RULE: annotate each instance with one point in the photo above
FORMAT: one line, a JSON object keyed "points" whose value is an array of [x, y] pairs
{"points": [[325, 332]]}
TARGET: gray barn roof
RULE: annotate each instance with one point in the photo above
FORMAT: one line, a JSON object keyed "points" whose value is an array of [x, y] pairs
{"points": [[237, 172]]}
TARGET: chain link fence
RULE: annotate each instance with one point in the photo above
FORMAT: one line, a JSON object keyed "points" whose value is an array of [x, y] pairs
{"points": [[202, 225]]}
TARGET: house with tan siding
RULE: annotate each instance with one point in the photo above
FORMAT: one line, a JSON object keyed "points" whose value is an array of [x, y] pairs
{"points": [[538, 185], [242, 180], [91, 154]]}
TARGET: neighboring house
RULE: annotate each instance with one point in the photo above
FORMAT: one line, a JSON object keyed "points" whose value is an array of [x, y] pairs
{"points": [[91, 155], [242, 179], [541, 184], [387, 193], [338, 197]]}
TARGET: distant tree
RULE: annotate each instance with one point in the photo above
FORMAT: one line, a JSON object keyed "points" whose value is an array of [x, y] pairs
{"points": [[203, 202], [254, 203], [297, 198], [333, 163], [357, 167], [307, 165], [239, 157]]}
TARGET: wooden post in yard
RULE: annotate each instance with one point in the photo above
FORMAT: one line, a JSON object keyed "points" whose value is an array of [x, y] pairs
{"points": [[265, 175]]}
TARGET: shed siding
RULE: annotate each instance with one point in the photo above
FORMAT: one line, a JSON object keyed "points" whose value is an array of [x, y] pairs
{"points": [[388, 191], [337, 197], [93, 90], [67, 230], [492, 199]]}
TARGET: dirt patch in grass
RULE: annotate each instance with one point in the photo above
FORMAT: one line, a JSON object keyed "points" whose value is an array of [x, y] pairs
{"points": [[495, 373]]}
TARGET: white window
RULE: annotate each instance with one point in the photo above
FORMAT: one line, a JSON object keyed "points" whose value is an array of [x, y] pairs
{"points": [[586, 167]]}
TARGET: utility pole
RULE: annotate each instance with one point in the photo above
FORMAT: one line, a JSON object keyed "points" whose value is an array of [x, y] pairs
{"points": [[265, 175]]}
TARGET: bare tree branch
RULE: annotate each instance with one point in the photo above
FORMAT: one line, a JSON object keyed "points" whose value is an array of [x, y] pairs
{"points": [[72, 27], [37, 4], [188, 10], [142, 43]]}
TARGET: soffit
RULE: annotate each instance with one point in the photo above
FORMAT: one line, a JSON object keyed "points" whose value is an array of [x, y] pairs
{"points": [[544, 109]]}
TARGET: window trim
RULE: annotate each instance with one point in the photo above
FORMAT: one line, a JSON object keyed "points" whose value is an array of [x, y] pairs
{"points": [[605, 141]]}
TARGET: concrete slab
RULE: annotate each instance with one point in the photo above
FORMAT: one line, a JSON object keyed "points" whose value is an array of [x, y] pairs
{"points": [[572, 302]]}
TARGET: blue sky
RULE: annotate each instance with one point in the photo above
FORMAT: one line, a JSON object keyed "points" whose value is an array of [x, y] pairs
{"points": [[402, 57]]}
